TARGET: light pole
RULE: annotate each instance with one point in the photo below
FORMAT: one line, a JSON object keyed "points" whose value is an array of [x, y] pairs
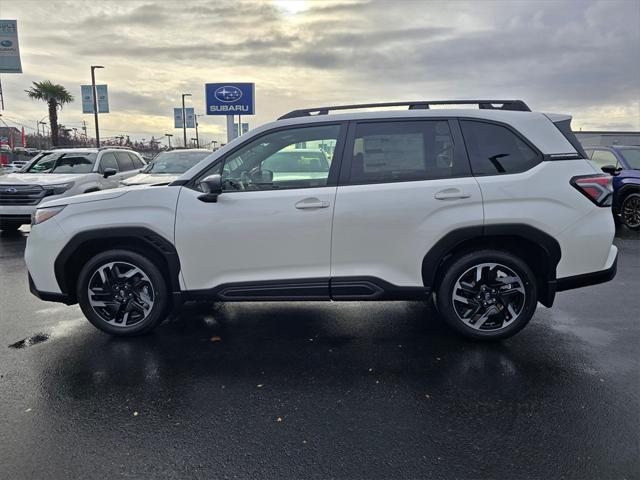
{"points": [[195, 117], [38, 131], [184, 119], [95, 101], [44, 132], [168, 135]]}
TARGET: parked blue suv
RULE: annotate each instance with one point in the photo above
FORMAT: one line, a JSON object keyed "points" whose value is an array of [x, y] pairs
{"points": [[623, 162]]}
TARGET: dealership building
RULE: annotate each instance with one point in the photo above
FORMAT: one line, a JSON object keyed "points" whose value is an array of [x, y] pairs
{"points": [[603, 139]]}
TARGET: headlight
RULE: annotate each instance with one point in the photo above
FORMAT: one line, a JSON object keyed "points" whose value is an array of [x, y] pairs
{"points": [[58, 189], [46, 213]]}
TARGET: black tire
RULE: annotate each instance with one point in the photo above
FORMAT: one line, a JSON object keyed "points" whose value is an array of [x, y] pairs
{"points": [[497, 325], [10, 226], [150, 278], [630, 211]]}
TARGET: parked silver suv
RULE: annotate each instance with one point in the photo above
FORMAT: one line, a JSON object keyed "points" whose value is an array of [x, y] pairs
{"points": [[62, 173]]}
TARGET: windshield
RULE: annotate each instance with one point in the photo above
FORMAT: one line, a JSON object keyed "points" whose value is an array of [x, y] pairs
{"points": [[175, 162], [58, 162], [632, 156], [297, 161]]}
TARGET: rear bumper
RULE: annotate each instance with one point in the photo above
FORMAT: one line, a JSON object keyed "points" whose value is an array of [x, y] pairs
{"points": [[586, 279], [49, 296]]}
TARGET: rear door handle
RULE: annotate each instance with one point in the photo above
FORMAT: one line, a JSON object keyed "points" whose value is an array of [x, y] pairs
{"points": [[313, 202], [451, 194]]}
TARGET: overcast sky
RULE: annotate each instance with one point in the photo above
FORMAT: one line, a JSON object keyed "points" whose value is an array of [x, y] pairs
{"points": [[571, 57]]}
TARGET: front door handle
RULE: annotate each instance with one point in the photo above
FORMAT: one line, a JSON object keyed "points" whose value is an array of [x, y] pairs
{"points": [[311, 203], [451, 194]]}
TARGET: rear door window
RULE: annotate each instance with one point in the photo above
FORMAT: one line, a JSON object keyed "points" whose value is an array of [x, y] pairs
{"points": [[495, 150], [389, 151]]}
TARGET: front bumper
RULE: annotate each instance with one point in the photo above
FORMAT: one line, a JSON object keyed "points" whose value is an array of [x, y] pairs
{"points": [[44, 243], [17, 213], [48, 296], [586, 279]]}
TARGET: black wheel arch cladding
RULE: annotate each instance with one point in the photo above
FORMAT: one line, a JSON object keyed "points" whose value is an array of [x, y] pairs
{"points": [[481, 236], [140, 239]]}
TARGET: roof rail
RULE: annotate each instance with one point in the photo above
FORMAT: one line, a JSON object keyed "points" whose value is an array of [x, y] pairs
{"points": [[515, 105], [116, 147], [66, 147]]}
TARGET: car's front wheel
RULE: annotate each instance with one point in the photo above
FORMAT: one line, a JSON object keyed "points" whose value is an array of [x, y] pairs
{"points": [[487, 295], [122, 292], [630, 211]]}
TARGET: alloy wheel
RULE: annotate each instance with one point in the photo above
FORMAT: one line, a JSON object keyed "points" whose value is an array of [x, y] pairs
{"points": [[631, 211], [489, 296], [121, 294]]}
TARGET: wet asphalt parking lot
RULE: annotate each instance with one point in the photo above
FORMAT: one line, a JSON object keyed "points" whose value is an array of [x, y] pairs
{"points": [[321, 390]]}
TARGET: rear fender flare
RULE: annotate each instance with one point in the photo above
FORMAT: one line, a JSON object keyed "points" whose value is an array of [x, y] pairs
{"points": [[447, 244]]}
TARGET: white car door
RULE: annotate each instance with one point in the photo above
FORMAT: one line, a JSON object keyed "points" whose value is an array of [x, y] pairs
{"points": [[269, 234], [405, 184]]}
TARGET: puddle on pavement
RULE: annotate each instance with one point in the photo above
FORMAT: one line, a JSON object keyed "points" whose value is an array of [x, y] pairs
{"points": [[61, 329], [32, 340]]}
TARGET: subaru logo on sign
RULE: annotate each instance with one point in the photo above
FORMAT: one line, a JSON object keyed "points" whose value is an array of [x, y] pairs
{"points": [[230, 98], [228, 94], [11, 190], [6, 43]]}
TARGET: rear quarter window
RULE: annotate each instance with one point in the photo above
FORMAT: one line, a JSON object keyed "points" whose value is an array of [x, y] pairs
{"points": [[496, 150]]}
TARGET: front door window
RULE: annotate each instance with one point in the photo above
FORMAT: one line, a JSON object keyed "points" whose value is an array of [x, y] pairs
{"points": [[294, 158]]}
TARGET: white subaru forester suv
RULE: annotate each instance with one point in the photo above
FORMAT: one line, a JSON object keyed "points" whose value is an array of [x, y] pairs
{"points": [[490, 210], [57, 174]]}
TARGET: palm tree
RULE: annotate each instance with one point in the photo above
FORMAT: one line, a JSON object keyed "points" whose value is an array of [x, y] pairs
{"points": [[55, 95]]}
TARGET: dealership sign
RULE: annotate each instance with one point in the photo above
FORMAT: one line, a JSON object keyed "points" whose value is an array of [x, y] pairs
{"points": [[190, 115], [87, 98], [9, 50], [230, 98], [245, 129]]}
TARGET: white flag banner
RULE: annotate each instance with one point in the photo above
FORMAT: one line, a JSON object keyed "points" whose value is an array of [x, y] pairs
{"points": [[9, 50]]}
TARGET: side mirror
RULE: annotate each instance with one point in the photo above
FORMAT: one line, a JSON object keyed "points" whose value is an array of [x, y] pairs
{"points": [[108, 172], [610, 169], [212, 187]]}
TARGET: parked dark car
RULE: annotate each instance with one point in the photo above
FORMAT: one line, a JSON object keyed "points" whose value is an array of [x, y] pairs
{"points": [[623, 162]]}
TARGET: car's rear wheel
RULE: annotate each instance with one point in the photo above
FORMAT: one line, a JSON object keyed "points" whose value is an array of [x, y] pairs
{"points": [[487, 295], [122, 292], [630, 211]]}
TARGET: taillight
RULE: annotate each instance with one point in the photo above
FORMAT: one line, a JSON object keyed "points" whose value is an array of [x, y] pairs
{"points": [[597, 188]]}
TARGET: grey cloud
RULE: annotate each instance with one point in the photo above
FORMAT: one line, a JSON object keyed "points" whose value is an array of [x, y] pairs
{"points": [[141, 15], [137, 103], [573, 55]]}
